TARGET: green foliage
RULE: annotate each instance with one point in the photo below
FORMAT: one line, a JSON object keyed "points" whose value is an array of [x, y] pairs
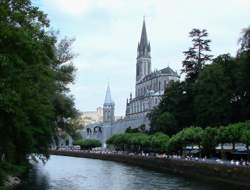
{"points": [[158, 142], [209, 140], [188, 136], [35, 70], [88, 144], [245, 40], [139, 141], [196, 56], [174, 111], [130, 130], [206, 139], [216, 92], [212, 95]]}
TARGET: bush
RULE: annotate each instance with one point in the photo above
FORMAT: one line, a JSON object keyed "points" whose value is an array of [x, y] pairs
{"points": [[88, 144]]}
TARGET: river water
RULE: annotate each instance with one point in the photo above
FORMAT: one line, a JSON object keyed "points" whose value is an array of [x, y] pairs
{"points": [[69, 173]]}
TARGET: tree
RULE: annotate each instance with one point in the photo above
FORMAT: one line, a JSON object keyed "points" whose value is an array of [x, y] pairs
{"points": [[243, 58], [216, 93], [245, 138], [244, 40], [158, 142], [88, 144], [165, 123], [34, 73], [209, 140], [175, 107], [196, 56]]}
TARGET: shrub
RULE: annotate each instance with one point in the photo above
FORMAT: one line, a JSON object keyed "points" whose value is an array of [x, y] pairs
{"points": [[88, 144]]}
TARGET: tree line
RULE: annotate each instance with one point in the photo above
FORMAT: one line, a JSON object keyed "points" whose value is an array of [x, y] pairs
{"points": [[35, 71], [206, 139], [215, 92]]}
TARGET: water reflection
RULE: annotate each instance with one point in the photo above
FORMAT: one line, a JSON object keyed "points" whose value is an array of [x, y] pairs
{"points": [[67, 173]]}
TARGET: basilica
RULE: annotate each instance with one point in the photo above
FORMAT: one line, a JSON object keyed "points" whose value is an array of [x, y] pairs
{"points": [[149, 88]]}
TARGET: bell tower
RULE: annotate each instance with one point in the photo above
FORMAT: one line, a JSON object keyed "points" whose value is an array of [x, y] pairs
{"points": [[108, 107], [143, 61]]}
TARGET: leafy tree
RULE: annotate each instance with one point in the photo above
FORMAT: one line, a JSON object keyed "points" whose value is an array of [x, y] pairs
{"points": [[158, 142], [196, 56], [176, 143], [243, 58], [175, 108], [245, 138], [192, 135], [209, 140], [245, 40], [34, 73], [165, 123], [216, 92], [88, 144]]}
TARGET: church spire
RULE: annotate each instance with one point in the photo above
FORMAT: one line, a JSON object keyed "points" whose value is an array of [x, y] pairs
{"points": [[108, 99], [143, 64], [144, 49], [144, 37], [108, 107]]}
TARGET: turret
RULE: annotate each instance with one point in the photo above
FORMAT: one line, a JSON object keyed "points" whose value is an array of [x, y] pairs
{"points": [[108, 107]]}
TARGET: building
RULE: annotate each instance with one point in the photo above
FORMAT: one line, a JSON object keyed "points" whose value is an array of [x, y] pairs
{"points": [[108, 108], [149, 88], [89, 117]]}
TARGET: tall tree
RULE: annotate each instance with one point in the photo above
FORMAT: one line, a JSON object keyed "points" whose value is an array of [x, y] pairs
{"points": [[196, 56], [34, 74], [243, 58], [244, 40], [215, 92]]}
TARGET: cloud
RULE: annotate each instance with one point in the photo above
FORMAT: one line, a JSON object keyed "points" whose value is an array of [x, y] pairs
{"points": [[70, 7]]}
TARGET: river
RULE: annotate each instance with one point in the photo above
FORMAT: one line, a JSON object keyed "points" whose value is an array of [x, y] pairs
{"points": [[69, 173]]}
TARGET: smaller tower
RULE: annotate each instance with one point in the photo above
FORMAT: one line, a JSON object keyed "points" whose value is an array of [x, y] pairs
{"points": [[108, 107]]}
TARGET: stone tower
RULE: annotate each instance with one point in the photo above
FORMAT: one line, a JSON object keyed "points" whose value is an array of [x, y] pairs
{"points": [[108, 107], [143, 64]]}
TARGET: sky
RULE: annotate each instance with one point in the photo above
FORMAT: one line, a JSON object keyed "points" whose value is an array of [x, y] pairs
{"points": [[107, 33]]}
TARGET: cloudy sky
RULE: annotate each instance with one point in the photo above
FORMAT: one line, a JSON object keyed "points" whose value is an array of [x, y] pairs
{"points": [[107, 33]]}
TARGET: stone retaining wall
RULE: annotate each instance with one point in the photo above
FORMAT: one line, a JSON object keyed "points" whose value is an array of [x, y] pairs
{"points": [[218, 172]]}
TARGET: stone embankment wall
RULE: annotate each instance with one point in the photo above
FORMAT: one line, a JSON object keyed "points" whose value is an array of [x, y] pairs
{"points": [[236, 175]]}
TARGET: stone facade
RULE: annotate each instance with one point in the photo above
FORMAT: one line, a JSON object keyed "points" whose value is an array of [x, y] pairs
{"points": [[150, 86], [89, 117]]}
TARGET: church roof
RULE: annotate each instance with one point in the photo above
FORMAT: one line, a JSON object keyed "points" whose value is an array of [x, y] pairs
{"points": [[108, 99], [168, 71], [165, 71]]}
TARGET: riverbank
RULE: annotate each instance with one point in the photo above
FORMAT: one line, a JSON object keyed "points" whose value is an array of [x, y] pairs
{"points": [[236, 175]]}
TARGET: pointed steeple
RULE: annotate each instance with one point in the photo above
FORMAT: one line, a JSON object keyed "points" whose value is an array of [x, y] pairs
{"points": [[108, 99], [108, 107], [143, 49], [144, 37]]}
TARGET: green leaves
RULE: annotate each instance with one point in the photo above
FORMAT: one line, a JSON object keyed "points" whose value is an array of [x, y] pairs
{"points": [[139, 141], [196, 56], [88, 144], [33, 82]]}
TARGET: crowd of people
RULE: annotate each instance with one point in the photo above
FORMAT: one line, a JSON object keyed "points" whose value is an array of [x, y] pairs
{"points": [[241, 162]]}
